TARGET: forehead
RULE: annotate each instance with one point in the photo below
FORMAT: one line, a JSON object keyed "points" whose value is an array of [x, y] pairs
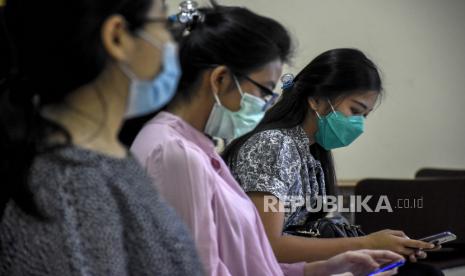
{"points": [[367, 98], [271, 70]]}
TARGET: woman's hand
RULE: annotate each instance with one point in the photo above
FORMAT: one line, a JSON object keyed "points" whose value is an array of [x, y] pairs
{"points": [[398, 242], [355, 263]]}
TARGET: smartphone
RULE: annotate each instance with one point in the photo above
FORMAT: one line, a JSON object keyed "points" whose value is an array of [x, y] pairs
{"points": [[387, 267], [440, 238]]}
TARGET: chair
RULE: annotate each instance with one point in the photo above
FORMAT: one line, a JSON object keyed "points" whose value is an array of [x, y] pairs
{"points": [[420, 208], [439, 173]]}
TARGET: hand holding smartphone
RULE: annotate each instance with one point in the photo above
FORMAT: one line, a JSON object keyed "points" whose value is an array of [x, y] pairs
{"points": [[440, 238]]}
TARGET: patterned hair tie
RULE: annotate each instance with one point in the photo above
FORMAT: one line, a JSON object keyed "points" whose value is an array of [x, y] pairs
{"points": [[287, 80], [189, 15]]}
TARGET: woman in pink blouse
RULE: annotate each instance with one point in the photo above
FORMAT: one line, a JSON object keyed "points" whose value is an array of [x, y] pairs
{"points": [[231, 60]]}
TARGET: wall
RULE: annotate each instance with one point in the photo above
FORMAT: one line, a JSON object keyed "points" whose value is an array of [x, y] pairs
{"points": [[419, 46]]}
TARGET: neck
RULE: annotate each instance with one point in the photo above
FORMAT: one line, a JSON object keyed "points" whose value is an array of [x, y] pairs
{"points": [[93, 114], [195, 112], [310, 126]]}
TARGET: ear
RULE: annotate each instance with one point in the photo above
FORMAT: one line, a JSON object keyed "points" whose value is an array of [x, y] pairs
{"points": [[116, 38], [313, 103], [220, 79]]}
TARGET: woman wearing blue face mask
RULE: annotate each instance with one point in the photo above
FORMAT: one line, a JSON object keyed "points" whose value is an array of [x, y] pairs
{"points": [[288, 155], [231, 59], [72, 201]]}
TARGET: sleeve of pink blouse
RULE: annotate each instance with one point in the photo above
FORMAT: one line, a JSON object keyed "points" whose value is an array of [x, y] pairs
{"points": [[295, 269], [179, 171]]}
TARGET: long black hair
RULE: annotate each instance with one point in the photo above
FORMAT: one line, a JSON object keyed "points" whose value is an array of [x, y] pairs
{"points": [[232, 36], [333, 74], [48, 49]]}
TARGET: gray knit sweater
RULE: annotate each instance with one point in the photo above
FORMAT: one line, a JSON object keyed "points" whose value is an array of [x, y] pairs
{"points": [[105, 219]]}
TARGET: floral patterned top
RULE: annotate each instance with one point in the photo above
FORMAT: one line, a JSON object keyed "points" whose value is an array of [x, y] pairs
{"points": [[279, 162]]}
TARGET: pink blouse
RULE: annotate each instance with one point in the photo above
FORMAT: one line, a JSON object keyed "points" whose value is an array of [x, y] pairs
{"points": [[193, 178]]}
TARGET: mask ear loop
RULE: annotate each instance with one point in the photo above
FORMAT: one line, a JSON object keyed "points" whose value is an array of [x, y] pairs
{"points": [[217, 99], [150, 39], [332, 108], [316, 112], [238, 85], [127, 72]]}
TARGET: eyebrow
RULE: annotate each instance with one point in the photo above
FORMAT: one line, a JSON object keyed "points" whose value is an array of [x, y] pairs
{"points": [[361, 104]]}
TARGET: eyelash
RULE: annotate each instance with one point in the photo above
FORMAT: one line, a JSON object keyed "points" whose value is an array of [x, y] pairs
{"points": [[263, 93], [355, 111]]}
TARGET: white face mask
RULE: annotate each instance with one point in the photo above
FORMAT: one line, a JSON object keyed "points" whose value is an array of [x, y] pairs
{"points": [[146, 96], [229, 125]]}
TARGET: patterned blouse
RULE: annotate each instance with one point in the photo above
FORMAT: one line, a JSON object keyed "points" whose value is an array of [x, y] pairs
{"points": [[279, 162]]}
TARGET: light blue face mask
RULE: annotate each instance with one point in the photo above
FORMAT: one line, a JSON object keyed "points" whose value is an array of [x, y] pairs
{"points": [[227, 124], [336, 130], [146, 96]]}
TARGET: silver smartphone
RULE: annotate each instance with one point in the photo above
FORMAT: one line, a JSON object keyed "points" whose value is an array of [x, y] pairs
{"points": [[440, 238]]}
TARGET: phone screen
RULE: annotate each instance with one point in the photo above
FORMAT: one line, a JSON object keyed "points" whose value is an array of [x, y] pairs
{"points": [[387, 267]]}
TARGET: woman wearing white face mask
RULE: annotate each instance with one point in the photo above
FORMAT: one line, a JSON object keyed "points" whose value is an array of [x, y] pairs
{"points": [[231, 61], [226, 124], [72, 202]]}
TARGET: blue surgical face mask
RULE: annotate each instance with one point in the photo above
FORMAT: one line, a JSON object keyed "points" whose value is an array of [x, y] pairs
{"points": [[227, 124], [146, 96], [336, 130]]}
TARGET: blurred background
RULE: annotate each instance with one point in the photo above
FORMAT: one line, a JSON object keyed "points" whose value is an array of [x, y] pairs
{"points": [[419, 46]]}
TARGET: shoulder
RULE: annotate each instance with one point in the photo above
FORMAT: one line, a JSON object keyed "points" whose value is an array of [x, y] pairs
{"points": [[181, 164], [271, 135], [94, 200], [77, 178], [269, 143], [68, 165], [178, 151], [272, 138], [150, 136]]}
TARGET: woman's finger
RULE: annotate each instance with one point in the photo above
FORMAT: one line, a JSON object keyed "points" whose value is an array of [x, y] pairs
{"points": [[383, 255], [405, 251], [417, 244], [420, 254]]}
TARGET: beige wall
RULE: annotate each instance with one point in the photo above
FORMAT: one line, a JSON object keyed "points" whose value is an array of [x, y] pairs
{"points": [[419, 46]]}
